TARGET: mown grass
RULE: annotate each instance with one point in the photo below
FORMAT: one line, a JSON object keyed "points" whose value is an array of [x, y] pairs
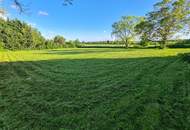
{"points": [[95, 89]]}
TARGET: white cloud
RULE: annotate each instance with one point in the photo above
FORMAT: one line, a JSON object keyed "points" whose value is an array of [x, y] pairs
{"points": [[14, 6], [43, 13]]}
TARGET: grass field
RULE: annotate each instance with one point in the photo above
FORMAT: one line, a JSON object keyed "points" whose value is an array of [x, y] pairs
{"points": [[94, 89]]}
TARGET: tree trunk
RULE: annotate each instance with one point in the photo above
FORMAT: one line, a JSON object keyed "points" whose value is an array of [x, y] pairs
{"points": [[163, 44], [126, 44]]}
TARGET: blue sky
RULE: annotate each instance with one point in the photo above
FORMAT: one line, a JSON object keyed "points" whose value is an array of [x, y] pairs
{"points": [[88, 20]]}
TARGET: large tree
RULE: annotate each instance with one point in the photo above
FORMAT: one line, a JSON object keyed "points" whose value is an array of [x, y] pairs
{"points": [[124, 29], [170, 17]]}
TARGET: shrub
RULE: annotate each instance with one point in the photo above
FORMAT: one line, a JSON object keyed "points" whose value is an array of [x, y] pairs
{"points": [[70, 45], [180, 44]]}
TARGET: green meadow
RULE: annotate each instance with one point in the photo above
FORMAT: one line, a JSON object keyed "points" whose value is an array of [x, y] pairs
{"points": [[94, 89]]}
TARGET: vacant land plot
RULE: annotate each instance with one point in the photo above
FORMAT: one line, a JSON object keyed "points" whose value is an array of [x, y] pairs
{"points": [[94, 89]]}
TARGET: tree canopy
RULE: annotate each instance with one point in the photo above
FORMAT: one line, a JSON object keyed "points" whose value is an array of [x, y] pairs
{"points": [[169, 18], [124, 29], [15, 35]]}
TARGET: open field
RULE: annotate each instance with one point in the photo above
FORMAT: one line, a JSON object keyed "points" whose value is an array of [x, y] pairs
{"points": [[94, 89]]}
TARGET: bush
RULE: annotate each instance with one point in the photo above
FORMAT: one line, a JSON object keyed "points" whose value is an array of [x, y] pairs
{"points": [[70, 45], [180, 44], [144, 43]]}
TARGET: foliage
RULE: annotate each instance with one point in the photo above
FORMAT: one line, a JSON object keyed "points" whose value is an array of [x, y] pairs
{"points": [[124, 29], [100, 45], [180, 44], [144, 29], [145, 43], [16, 35], [94, 89], [19, 35], [59, 40], [71, 44], [168, 18], [50, 44]]}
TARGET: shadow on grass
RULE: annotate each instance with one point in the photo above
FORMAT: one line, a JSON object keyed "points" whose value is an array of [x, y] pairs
{"points": [[94, 94]]}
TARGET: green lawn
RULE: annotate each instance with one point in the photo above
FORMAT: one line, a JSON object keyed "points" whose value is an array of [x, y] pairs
{"points": [[94, 89]]}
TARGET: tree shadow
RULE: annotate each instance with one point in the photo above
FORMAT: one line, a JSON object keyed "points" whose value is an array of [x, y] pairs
{"points": [[95, 94]]}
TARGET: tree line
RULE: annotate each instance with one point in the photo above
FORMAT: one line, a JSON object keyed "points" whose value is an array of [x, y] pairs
{"points": [[169, 19], [16, 35]]}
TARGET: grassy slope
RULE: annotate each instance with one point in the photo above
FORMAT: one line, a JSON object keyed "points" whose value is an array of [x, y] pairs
{"points": [[94, 89]]}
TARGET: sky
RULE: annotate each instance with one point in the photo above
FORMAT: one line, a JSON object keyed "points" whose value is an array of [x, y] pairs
{"points": [[87, 20]]}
